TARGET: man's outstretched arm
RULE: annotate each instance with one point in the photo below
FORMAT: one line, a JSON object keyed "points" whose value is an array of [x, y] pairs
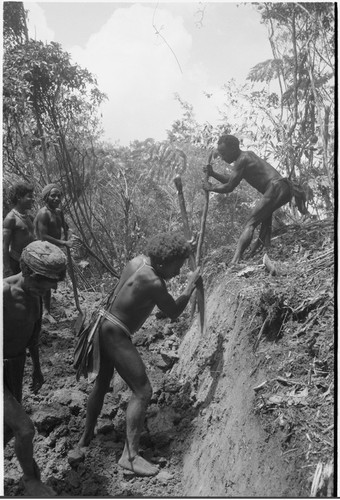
{"points": [[228, 187], [230, 182], [33, 347], [224, 179], [208, 169], [167, 304]]}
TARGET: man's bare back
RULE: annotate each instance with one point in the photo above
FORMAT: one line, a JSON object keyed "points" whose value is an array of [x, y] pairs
{"points": [[21, 314], [257, 172], [135, 294]]}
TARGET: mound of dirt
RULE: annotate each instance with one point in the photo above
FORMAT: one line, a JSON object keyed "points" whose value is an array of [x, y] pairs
{"points": [[246, 410]]}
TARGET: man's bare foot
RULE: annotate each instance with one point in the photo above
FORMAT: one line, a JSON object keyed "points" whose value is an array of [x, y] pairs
{"points": [[35, 488], [85, 441], [138, 465], [48, 317]]}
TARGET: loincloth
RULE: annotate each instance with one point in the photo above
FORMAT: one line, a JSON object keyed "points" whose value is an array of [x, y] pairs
{"points": [[87, 350], [286, 181], [115, 321], [13, 373]]}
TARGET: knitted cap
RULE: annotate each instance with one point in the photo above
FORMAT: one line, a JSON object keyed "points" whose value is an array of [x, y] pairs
{"points": [[45, 259]]}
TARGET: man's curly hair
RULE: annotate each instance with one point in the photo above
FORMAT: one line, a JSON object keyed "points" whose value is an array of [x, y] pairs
{"points": [[19, 190], [167, 247], [230, 142]]}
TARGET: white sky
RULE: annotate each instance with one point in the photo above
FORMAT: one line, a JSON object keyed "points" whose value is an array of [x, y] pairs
{"points": [[137, 69]]}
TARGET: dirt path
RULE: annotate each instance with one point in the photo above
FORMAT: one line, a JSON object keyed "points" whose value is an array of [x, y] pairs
{"points": [[58, 412]]}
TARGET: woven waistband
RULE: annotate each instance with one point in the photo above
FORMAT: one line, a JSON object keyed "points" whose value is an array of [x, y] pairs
{"points": [[115, 321]]}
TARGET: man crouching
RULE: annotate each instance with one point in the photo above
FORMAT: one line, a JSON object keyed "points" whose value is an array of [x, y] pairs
{"points": [[141, 288], [42, 266]]}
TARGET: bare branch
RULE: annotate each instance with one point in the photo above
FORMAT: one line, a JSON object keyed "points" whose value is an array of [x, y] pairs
{"points": [[162, 37]]}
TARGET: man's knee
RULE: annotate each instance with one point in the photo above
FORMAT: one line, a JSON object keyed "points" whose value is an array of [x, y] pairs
{"points": [[25, 432], [144, 392]]}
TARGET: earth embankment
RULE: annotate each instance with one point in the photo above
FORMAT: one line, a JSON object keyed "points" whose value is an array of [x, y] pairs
{"points": [[247, 409]]}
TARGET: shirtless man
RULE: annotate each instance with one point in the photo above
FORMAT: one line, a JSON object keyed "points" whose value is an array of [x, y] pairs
{"points": [[43, 265], [48, 224], [141, 288], [18, 228], [276, 190]]}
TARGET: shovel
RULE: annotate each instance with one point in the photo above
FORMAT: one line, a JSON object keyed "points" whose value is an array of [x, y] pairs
{"points": [[192, 262], [78, 323]]}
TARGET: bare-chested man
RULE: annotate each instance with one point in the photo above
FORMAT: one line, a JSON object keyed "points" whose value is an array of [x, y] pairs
{"points": [[48, 224], [18, 228], [141, 288], [43, 265], [276, 190]]}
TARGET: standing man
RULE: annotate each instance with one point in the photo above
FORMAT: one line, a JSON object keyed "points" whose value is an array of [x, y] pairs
{"points": [[18, 228], [42, 265], [48, 224], [141, 288], [276, 190]]}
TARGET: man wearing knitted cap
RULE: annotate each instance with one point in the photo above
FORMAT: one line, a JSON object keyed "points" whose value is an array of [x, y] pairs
{"points": [[48, 224], [42, 266]]}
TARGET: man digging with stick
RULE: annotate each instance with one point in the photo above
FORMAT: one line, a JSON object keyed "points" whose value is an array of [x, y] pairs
{"points": [[141, 288], [276, 190], [42, 265]]}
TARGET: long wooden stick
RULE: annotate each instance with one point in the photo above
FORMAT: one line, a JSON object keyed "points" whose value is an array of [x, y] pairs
{"points": [[71, 268], [77, 325], [203, 219], [192, 261]]}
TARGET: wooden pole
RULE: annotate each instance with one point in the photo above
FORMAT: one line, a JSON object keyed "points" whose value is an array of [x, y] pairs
{"points": [[192, 261]]}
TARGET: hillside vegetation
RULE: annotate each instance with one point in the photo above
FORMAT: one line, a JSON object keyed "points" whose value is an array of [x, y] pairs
{"points": [[247, 409]]}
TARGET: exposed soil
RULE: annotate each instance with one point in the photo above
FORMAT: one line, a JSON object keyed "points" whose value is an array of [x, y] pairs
{"points": [[246, 410]]}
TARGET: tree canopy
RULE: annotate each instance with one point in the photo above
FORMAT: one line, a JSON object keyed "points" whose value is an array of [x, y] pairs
{"points": [[116, 197]]}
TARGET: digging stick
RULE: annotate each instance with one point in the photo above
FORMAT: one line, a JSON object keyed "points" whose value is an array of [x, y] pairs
{"points": [[203, 219], [192, 262], [81, 317]]}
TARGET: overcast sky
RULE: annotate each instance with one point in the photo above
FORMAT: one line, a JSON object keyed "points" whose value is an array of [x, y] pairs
{"points": [[202, 46]]}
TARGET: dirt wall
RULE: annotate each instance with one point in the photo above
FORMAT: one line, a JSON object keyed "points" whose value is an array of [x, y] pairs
{"points": [[228, 451]]}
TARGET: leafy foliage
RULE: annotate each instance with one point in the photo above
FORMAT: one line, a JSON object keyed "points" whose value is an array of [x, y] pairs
{"points": [[116, 197], [302, 41]]}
